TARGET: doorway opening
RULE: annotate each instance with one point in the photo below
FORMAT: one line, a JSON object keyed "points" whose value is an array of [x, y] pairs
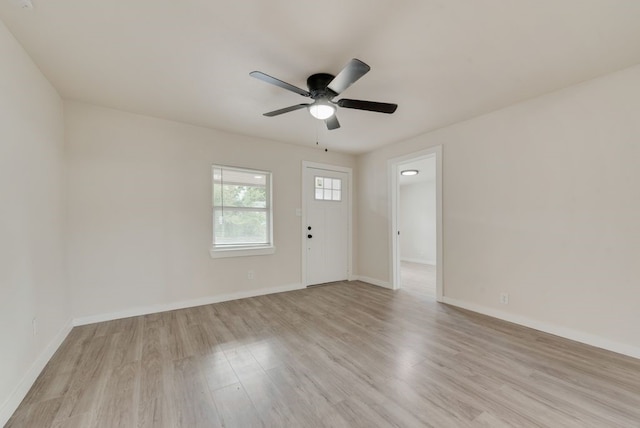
{"points": [[416, 196]]}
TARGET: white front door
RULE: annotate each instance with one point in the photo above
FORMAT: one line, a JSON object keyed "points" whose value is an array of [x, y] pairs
{"points": [[326, 232]]}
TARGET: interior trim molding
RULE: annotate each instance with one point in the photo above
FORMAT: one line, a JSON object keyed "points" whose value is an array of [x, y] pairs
{"points": [[373, 281], [394, 166], [144, 310], [556, 330], [15, 398]]}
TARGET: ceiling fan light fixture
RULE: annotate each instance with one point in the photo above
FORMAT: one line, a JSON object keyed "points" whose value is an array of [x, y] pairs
{"points": [[321, 110]]}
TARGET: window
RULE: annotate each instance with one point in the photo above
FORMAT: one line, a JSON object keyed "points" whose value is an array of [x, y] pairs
{"points": [[328, 189], [242, 214]]}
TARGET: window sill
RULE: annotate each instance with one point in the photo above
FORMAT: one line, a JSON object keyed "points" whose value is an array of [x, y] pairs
{"points": [[241, 252]]}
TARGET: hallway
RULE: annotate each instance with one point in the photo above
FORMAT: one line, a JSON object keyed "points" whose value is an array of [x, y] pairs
{"points": [[418, 279]]}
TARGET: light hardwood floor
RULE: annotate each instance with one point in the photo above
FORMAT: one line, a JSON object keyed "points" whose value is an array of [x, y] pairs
{"points": [[343, 355], [418, 278]]}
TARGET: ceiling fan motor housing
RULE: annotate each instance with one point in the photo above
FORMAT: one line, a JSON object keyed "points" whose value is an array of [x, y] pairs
{"points": [[317, 84]]}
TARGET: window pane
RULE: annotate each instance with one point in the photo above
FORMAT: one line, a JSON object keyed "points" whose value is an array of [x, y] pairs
{"points": [[234, 195], [217, 194], [240, 227], [235, 190], [328, 189], [239, 188]]}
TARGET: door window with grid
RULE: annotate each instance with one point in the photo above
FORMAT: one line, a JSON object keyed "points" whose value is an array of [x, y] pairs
{"points": [[328, 189]]}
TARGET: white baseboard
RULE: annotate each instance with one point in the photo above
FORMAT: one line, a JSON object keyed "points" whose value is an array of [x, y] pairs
{"points": [[419, 261], [144, 310], [15, 398], [373, 281], [567, 333]]}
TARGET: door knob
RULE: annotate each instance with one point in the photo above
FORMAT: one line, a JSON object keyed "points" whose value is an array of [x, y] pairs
{"points": [[309, 228], [309, 236]]}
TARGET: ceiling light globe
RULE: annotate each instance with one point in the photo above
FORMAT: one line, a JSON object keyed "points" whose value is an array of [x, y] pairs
{"points": [[322, 111], [407, 172]]}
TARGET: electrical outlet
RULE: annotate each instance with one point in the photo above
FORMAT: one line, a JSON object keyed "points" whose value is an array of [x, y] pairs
{"points": [[34, 324], [251, 274], [504, 298]]}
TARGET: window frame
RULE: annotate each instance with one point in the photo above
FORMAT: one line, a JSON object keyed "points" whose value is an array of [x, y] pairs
{"points": [[250, 249]]}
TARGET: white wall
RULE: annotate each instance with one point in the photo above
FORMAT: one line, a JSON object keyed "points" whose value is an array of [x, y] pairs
{"points": [[540, 200], [32, 275], [418, 222], [140, 211]]}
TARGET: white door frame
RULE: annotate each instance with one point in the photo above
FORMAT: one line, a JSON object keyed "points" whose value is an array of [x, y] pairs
{"points": [[303, 226], [394, 192]]}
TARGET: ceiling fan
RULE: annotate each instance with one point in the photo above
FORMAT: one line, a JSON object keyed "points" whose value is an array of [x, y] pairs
{"points": [[323, 87]]}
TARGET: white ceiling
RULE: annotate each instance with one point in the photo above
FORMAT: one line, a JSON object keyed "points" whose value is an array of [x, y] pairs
{"points": [[442, 61]]}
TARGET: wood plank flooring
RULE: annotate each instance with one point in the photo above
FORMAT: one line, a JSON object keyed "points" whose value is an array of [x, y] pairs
{"points": [[418, 279], [340, 355]]}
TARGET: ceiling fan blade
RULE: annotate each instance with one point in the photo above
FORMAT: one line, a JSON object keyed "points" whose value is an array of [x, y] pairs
{"points": [[332, 123], [286, 110], [266, 78], [351, 72], [368, 105]]}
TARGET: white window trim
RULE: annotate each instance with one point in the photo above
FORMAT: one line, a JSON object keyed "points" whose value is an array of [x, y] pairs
{"points": [[219, 253], [245, 250]]}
